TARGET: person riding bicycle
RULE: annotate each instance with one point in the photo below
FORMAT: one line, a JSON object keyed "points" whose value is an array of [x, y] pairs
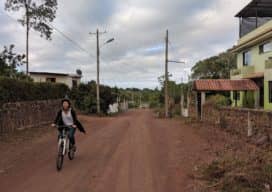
{"points": [[67, 117]]}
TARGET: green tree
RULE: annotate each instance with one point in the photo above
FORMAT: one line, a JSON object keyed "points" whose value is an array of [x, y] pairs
{"points": [[36, 15], [9, 61], [215, 67]]}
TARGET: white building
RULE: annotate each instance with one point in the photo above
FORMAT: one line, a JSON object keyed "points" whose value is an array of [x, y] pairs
{"points": [[71, 80]]}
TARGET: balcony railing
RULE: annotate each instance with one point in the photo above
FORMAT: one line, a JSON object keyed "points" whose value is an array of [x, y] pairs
{"points": [[247, 70], [243, 71], [235, 72], [268, 64]]}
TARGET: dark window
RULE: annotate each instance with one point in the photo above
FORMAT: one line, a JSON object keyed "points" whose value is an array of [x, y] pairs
{"points": [[266, 47], [236, 95], [247, 58], [74, 83], [270, 91], [51, 80]]}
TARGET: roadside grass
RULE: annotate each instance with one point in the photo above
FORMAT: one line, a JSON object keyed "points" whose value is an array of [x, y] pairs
{"points": [[251, 174]]}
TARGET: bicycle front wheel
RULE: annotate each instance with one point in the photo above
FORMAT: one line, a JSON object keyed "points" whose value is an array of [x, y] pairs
{"points": [[60, 157]]}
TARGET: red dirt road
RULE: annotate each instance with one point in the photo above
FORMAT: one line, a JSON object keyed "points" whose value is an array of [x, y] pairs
{"points": [[134, 152]]}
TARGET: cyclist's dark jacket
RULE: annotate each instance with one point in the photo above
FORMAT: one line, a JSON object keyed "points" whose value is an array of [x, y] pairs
{"points": [[59, 121]]}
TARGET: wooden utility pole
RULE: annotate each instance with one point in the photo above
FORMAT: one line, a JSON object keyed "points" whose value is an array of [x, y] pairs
{"points": [[97, 70], [166, 77], [27, 37]]}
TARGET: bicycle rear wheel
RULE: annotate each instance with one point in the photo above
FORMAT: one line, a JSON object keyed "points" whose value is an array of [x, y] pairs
{"points": [[71, 153], [60, 157]]}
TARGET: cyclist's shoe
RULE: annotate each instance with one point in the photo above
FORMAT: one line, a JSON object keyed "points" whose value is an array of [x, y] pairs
{"points": [[73, 147]]}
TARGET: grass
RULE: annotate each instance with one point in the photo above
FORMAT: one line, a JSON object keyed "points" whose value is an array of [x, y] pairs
{"points": [[252, 174]]}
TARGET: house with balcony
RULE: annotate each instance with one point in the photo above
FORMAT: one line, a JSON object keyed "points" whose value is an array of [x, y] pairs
{"points": [[254, 54]]}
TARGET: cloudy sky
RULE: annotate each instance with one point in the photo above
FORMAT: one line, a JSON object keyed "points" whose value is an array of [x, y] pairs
{"points": [[197, 29]]}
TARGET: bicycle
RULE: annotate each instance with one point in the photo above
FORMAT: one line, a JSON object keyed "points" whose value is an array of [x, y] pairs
{"points": [[64, 145]]}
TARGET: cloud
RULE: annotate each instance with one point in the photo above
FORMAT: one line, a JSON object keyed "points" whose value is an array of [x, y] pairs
{"points": [[197, 29]]}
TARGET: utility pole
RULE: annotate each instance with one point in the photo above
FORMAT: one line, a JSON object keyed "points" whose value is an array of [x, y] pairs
{"points": [[140, 100], [27, 37], [97, 70], [166, 77], [166, 96]]}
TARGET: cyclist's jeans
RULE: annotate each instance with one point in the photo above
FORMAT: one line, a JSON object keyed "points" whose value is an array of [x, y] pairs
{"points": [[71, 135]]}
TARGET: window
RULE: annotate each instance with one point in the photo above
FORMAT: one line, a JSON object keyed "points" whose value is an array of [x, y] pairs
{"points": [[51, 80], [266, 47], [74, 83], [247, 58], [270, 91]]}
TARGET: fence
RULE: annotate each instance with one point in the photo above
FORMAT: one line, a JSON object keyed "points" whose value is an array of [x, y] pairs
{"points": [[242, 121], [27, 114]]}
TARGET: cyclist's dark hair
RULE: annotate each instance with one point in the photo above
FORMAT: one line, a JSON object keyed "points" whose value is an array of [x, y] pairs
{"points": [[66, 100]]}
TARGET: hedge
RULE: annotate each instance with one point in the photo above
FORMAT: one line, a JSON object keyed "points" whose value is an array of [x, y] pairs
{"points": [[12, 90]]}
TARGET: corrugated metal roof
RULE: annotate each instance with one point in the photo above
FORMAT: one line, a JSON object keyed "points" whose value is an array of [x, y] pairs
{"points": [[259, 8], [225, 85]]}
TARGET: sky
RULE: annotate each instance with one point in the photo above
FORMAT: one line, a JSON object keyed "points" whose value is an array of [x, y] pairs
{"points": [[197, 30]]}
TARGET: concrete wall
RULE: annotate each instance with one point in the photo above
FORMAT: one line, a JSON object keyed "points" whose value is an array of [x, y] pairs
{"points": [[28, 114]]}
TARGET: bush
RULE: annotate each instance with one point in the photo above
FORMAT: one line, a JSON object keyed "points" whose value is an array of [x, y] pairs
{"points": [[218, 100], [85, 97], [12, 90], [249, 101]]}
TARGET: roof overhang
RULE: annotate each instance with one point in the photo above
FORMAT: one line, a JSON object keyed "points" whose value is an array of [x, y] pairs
{"points": [[205, 85], [257, 8], [254, 75], [56, 74], [48, 73]]}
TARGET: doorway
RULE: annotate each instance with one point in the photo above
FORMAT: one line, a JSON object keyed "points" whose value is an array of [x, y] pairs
{"points": [[260, 83]]}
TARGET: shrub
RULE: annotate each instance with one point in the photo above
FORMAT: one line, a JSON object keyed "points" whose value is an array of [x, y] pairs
{"points": [[218, 100], [85, 97], [249, 100], [12, 90]]}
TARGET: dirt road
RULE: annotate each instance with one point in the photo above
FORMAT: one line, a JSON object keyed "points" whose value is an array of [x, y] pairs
{"points": [[134, 152]]}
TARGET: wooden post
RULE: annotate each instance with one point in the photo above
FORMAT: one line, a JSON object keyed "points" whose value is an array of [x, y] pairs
{"points": [[181, 104], [249, 125], [166, 78], [257, 99], [203, 100], [97, 73]]}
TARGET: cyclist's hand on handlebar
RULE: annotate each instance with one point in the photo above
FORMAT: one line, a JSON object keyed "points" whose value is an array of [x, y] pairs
{"points": [[53, 125], [74, 126]]}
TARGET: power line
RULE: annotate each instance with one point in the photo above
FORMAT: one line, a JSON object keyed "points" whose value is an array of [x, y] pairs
{"points": [[61, 33], [71, 40]]}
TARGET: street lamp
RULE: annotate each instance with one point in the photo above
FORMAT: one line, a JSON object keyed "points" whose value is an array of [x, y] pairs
{"points": [[109, 41]]}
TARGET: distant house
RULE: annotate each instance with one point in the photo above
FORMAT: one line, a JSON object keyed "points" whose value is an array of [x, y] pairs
{"points": [[254, 53], [71, 80]]}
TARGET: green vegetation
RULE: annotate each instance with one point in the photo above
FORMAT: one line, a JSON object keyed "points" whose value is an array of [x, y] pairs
{"points": [[218, 100], [9, 61], [249, 100], [12, 90], [215, 67], [84, 97]]}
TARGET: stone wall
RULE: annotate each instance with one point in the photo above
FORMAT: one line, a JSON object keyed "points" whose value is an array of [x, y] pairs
{"points": [[27, 114], [245, 122]]}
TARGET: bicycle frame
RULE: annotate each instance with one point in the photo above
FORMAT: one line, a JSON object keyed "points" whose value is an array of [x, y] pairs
{"points": [[64, 139]]}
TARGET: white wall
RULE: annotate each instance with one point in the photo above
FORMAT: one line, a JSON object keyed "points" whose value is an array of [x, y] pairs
{"points": [[59, 79]]}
